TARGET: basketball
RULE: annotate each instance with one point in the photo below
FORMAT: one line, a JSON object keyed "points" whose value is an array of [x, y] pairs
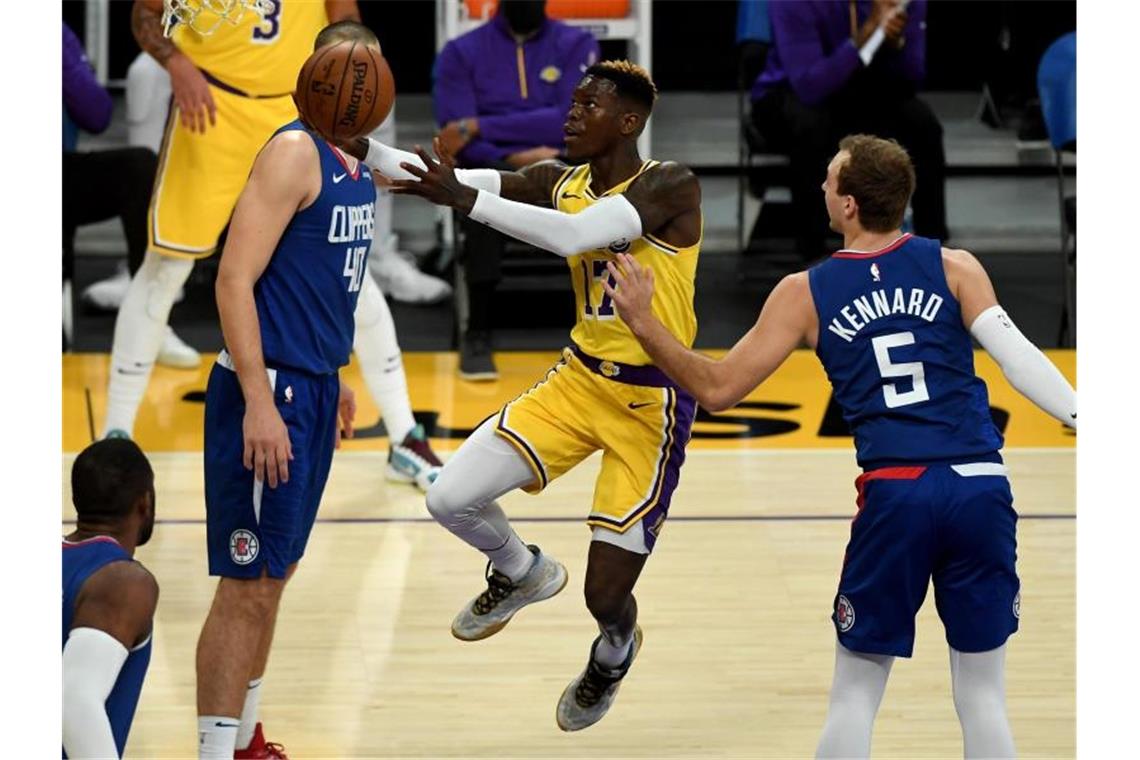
{"points": [[345, 90]]}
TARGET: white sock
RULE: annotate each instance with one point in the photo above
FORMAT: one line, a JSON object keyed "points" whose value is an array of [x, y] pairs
{"points": [[513, 559], [139, 330], [249, 714], [612, 654], [380, 361], [217, 735], [856, 691], [462, 499], [979, 698]]}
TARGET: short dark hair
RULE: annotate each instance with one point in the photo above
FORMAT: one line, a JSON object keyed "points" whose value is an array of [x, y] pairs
{"points": [[880, 176], [631, 81], [108, 478], [340, 31]]}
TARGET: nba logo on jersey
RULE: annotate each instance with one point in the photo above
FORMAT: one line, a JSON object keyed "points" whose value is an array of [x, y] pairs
{"points": [[844, 614], [875, 272], [243, 547]]}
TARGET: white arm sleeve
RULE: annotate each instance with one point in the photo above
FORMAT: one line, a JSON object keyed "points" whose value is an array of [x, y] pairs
{"points": [[386, 160], [1027, 369], [608, 221], [92, 660]]}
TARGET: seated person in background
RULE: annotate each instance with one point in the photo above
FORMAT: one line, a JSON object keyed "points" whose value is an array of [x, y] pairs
{"points": [[97, 185], [501, 94], [844, 66]]}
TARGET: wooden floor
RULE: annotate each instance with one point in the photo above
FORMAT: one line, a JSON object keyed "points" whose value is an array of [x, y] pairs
{"points": [[734, 604]]}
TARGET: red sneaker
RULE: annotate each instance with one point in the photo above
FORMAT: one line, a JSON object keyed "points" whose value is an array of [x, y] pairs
{"points": [[259, 749]]}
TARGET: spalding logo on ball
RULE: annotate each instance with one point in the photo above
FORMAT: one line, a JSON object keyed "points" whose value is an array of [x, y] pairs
{"points": [[345, 90]]}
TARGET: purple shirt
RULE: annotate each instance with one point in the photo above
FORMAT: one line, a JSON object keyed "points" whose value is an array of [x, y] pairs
{"points": [[84, 99], [813, 53], [520, 93]]}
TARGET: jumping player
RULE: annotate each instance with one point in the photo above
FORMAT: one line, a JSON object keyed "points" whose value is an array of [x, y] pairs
{"points": [[603, 394], [108, 598], [890, 317], [287, 287]]}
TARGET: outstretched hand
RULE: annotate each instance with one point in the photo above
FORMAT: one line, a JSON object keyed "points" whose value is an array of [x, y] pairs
{"points": [[631, 291], [438, 182]]}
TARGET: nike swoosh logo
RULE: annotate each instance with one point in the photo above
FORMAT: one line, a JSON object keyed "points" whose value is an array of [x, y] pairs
{"points": [[1073, 415], [122, 371], [571, 195], [632, 405], [338, 177]]}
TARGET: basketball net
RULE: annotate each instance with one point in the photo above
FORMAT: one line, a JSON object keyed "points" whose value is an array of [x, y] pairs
{"points": [[205, 16]]}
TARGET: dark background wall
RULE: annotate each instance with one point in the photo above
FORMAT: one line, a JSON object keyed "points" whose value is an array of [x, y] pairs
{"points": [[969, 43]]}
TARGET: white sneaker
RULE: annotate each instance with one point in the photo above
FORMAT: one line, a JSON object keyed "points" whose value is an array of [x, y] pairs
{"points": [[398, 277], [108, 294], [176, 354]]}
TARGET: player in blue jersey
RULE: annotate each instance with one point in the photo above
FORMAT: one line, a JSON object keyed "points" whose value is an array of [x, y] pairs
{"points": [[890, 317], [287, 287], [108, 598]]}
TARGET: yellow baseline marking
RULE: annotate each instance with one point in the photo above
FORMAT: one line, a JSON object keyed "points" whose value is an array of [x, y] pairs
{"points": [[166, 422]]}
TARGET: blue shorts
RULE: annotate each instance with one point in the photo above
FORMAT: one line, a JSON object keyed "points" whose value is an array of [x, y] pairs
{"points": [[250, 526], [952, 523]]}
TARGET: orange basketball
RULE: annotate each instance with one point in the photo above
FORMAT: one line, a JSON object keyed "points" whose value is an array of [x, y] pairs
{"points": [[345, 90]]}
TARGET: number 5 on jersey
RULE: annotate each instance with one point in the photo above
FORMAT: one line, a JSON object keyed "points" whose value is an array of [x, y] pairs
{"points": [[914, 370]]}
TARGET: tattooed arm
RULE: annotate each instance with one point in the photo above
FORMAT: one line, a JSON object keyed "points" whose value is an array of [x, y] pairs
{"points": [[192, 95]]}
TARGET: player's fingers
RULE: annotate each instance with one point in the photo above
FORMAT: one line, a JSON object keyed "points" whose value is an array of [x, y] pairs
{"points": [[247, 456], [282, 464], [258, 463], [428, 162], [271, 467], [615, 272], [212, 108], [347, 419], [336, 438], [611, 291], [412, 169]]}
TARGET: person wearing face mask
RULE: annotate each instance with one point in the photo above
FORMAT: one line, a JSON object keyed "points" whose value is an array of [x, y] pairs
{"points": [[500, 94], [109, 598]]}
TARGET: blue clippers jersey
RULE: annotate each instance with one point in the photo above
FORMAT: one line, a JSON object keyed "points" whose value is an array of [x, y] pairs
{"points": [[307, 294], [899, 358], [80, 561]]}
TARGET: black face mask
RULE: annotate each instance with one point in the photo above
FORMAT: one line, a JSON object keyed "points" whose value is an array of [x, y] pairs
{"points": [[523, 16]]}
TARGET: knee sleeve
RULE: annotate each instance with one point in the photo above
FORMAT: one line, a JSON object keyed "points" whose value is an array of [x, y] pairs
{"points": [[978, 680], [484, 468], [159, 279]]}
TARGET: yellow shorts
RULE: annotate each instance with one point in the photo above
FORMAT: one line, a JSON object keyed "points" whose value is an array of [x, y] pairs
{"points": [[635, 415], [201, 175]]}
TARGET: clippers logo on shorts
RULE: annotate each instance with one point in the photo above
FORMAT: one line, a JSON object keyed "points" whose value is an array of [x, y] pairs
{"points": [[1017, 605], [243, 547], [844, 614]]}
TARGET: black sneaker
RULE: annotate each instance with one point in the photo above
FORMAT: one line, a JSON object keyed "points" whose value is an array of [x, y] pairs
{"points": [[589, 696], [475, 360]]}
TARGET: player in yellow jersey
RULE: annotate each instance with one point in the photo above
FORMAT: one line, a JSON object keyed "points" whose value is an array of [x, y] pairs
{"points": [[230, 90], [604, 393]]}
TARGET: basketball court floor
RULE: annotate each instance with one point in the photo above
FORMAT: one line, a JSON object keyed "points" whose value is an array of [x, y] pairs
{"points": [[735, 601]]}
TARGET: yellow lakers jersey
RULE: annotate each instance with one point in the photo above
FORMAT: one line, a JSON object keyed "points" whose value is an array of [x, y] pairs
{"points": [[257, 57], [598, 330]]}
